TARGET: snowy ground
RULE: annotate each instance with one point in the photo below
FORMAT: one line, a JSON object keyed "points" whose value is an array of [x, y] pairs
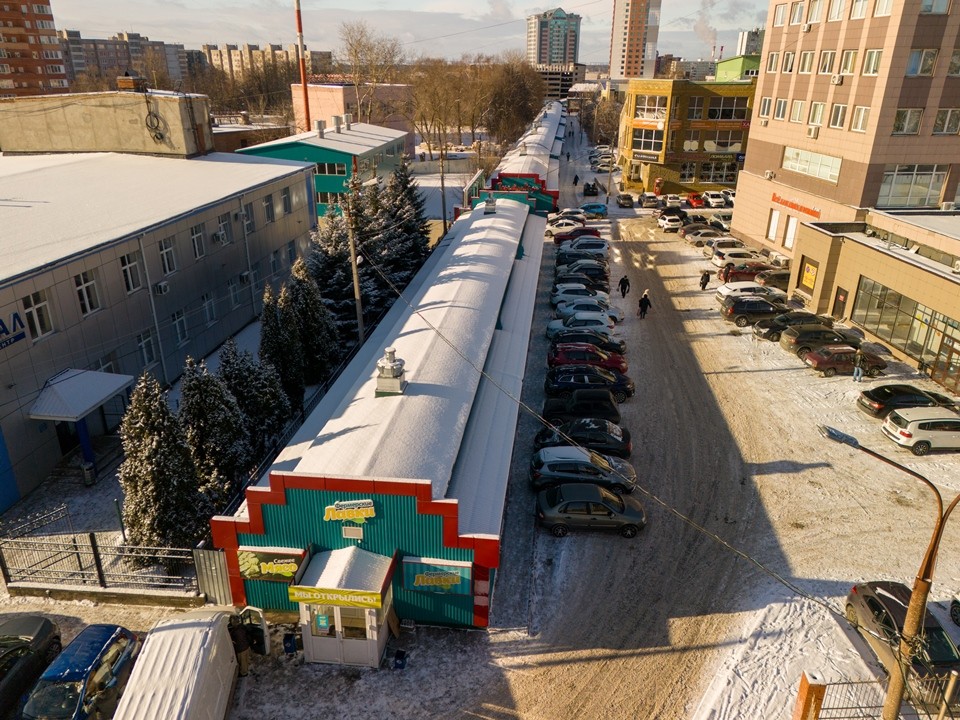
{"points": [[672, 624]]}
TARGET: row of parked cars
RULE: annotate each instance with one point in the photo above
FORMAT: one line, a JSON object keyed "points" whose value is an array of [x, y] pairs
{"points": [[579, 468]]}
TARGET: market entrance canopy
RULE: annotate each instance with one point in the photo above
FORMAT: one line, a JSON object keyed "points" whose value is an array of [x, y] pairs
{"points": [[72, 394], [349, 577]]}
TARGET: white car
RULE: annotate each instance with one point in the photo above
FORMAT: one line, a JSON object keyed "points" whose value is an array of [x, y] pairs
{"points": [[729, 195], [736, 256], [672, 201], [588, 243], [598, 321], [571, 212], [747, 287], [714, 198], [923, 429], [566, 309], [670, 223], [562, 225], [576, 291]]}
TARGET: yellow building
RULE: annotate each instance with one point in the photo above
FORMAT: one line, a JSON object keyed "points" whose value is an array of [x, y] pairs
{"points": [[688, 135]]}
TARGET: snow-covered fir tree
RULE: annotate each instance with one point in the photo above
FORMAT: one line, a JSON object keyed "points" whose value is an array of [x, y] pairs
{"points": [[163, 505], [318, 329], [291, 363], [216, 433], [328, 261], [403, 197]]}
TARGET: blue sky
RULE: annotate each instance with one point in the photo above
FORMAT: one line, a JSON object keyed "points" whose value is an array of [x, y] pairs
{"points": [[445, 28]]}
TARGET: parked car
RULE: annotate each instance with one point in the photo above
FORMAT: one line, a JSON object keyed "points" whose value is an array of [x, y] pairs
{"points": [[601, 341], [772, 328], [598, 284], [833, 359], [696, 219], [699, 234], [589, 243], [777, 278], [747, 309], [568, 257], [674, 211], [572, 307], [669, 223], [601, 436], [87, 678], [803, 339], [571, 212], [573, 233], [721, 242], [590, 188], [594, 210], [724, 256], [691, 228], [554, 466], [564, 379], [672, 200], [582, 506], [729, 196], [593, 268], [879, 401], [624, 200], [573, 291], [695, 200], [923, 429], [714, 199], [749, 288], [593, 320], [649, 200], [584, 354], [878, 611], [603, 167], [582, 404], [562, 225], [28, 643], [722, 220], [741, 271]]}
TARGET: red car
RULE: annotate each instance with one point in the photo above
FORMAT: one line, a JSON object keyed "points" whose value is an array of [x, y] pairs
{"points": [[695, 200], [742, 272], [833, 359], [585, 354], [573, 234]]}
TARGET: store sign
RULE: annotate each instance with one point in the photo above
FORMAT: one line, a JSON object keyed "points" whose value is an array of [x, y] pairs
{"points": [[780, 200], [333, 596], [12, 332], [645, 156], [274, 564], [808, 275], [351, 510], [437, 576]]}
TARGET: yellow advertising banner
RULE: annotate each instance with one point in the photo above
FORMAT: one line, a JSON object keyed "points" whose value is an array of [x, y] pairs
{"points": [[334, 596], [809, 276]]}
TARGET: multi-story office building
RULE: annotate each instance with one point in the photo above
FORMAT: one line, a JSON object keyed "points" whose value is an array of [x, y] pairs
{"points": [[750, 42], [236, 61], [633, 38], [31, 62], [122, 53], [553, 38], [560, 78]]}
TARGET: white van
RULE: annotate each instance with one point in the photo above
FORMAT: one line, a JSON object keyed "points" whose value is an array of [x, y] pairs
{"points": [[187, 668]]}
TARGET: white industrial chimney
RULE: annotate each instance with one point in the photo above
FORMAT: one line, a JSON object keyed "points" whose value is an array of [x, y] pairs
{"points": [[337, 120], [319, 126], [347, 119], [390, 374]]}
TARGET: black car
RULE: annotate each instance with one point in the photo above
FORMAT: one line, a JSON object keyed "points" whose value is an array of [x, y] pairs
{"points": [[779, 279], [567, 257], [582, 506], [598, 340], [771, 328], [590, 188], [801, 339], [601, 436], [28, 643], [564, 379], [624, 200], [745, 310], [590, 268], [581, 404], [879, 401], [592, 283]]}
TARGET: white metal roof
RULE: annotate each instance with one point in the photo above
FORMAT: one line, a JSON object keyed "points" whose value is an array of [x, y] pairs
{"points": [[349, 568], [361, 138], [73, 394], [53, 207]]}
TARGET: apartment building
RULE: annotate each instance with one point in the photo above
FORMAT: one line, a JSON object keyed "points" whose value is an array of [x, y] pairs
{"points": [[31, 62], [553, 38], [236, 61], [560, 78], [633, 38], [121, 53]]}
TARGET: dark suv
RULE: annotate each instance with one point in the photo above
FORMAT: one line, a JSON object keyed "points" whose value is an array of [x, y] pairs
{"points": [[878, 402], [746, 310], [771, 328], [581, 404], [564, 379], [601, 436], [585, 335], [801, 339]]}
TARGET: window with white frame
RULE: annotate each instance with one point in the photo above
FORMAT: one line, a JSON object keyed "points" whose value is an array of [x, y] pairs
{"points": [[168, 258], [695, 107], [937, 7], [835, 10], [921, 62], [87, 295], [805, 66], [291, 252], [858, 10], [225, 227], [727, 108], [718, 172], [723, 141], [773, 223], [268, 210], [773, 60], [815, 11], [954, 67], [36, 307], [882, 8], [814, 164], [691, 141], [848, 62], [861, 115], [947, 121], [907, 121], [274, 263], [780, 109], [196, 239], [790, 236], [651, 107], [796, 111], [912, 185], [780, 15], [826, 62], [145, 346], [285, 201], [331, 169], [130, 269], [871, 61], [179, 322], [796, 13], [249, 222], [688, 172], [209, 305], [648, 139], [816, 113], [764, 109], [838, 115], [233, 287], [788, 62]]}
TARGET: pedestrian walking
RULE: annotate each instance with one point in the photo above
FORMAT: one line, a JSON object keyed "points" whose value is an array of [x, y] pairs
{"points": [[644, 305], [568, 157], [859, 363], [241, 645], [624, 285], [576, 179], [704, 279]]}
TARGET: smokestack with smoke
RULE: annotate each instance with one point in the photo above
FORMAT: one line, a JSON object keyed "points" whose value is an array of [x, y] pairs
{"points": [[702, 27]]}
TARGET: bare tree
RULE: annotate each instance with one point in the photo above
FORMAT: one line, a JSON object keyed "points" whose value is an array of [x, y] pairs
{"points": [[517, 95], [369, 60]]}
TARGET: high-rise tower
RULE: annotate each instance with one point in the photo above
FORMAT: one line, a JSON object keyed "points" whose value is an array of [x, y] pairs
{"points": [[553, 38], [633, 38]]}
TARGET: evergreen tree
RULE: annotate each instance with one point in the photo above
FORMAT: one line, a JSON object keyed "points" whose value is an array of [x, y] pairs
{"points": [[257, 390], [329, 263], [376, 230], [280, 344], [317, 327], [162, 505], [215, 431]]}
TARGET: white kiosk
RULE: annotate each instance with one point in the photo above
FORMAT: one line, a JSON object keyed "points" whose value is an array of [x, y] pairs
{"points": [[346, 600]]}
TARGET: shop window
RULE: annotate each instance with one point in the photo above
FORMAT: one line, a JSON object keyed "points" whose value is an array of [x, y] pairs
{"points": [[651, 107], [322, 621], [728, 108], [695, 108], [724, 141], [688, 172], [809, 269], [354, 622], [911, 185], [648, 140]]}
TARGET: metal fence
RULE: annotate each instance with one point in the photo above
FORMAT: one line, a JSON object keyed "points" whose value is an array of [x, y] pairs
{"points": [[863, 700]]}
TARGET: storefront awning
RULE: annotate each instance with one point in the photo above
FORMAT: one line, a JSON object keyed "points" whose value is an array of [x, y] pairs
{"points": [[73, 394], [349, 577]]}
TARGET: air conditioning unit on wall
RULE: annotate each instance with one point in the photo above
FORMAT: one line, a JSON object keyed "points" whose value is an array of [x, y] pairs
{"points": [[836, 79], [813, 131], [764, 122], [769, 174], [245, 277], [161, 288], [806, 28]]}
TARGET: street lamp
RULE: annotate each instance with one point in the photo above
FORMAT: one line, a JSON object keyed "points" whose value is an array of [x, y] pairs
{"points": [[921, 585]]}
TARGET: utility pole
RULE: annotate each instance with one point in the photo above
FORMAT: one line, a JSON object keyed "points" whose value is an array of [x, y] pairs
{"points": [[443, 188], [351, 237], [303, 65]]}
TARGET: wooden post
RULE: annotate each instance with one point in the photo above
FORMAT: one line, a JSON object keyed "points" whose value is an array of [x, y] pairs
{"points": [[809, 697]]}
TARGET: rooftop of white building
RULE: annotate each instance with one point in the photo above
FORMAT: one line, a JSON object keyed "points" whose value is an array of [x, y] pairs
{"points": [[357, 139]]}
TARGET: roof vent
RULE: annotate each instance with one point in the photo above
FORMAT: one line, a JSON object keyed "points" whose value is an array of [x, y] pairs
{"points": [[390, 374], [490, 206], [347, 119], [319, 126], [337, 121]]}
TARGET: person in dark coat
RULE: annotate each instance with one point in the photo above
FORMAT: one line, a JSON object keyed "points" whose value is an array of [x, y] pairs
{"points": [[241, 645], [859, 364], [624, 286], [704, 279], [576, 179], [645, 305]]}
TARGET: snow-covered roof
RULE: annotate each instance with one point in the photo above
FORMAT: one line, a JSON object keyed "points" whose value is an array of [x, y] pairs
{"points": [[72, 394], [54, 207], [361, 138], [443, 331], [532, 153], [349, 568]]}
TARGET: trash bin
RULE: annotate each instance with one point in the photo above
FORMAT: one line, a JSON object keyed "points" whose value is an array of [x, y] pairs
{"points": [[290, 643], [89, 475]]}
